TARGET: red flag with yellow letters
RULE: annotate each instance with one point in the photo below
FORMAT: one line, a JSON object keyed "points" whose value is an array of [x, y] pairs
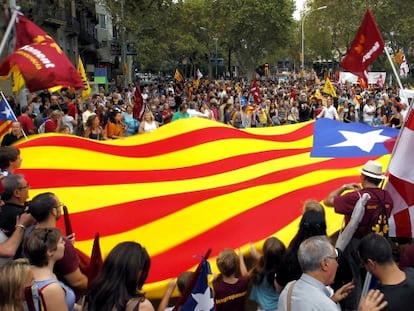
{"points": [[366, 47], [39, 59]]}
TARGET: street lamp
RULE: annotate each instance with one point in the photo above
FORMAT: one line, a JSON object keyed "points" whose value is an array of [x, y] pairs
{"points": [[216, 39], [303, 31], [215, 60]]}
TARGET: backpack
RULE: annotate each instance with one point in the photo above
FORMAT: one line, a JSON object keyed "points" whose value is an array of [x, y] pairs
{"points": [[379, 221]]}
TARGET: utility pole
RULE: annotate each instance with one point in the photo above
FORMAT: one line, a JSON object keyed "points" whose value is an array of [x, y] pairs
{"points": [[123, 45], [303, 32]]}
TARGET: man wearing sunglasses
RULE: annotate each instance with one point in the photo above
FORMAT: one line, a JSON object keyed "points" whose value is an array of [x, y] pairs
{"points": [[15, 194]]}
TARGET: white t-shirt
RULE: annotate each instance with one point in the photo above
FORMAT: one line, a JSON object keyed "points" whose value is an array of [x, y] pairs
{"points": [[368, 118], [149, 127]]}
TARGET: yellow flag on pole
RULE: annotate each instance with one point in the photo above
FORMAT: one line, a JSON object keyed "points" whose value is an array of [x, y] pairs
{"points": [[178, 76], [86, 91], [329, 88], [18, 81]]}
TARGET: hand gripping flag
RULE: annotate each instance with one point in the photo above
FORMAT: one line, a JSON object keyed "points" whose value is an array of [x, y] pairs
{"points": [[39, 59], [197, 296], [401, 183], [366, 47]]}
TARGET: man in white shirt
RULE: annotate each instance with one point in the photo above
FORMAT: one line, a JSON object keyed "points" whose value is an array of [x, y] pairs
{"points": [[89, 111], [319, 262], [368, 112], [329, 111]]}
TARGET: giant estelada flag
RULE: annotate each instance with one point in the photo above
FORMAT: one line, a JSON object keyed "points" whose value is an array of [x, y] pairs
{"points": [[191, 185]]}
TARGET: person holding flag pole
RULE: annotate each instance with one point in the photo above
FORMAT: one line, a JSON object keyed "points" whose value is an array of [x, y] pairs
{"points": [[9, 29], [7, 115], [37, 58]]}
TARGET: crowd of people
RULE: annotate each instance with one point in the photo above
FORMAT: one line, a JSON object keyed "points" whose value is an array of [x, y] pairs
{"points": [[114, 114], [310, 273]]}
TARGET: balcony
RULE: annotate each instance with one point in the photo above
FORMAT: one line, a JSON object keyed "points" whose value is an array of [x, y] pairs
{"points": [[51, 15], [72, 26]]}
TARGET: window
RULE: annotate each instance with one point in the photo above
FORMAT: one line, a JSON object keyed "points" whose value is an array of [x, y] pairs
{"points": [[102, 21]]}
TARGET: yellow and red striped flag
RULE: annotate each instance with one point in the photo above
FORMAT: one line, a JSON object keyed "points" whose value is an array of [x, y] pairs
{"points": [[178, 76], [190, 185]]}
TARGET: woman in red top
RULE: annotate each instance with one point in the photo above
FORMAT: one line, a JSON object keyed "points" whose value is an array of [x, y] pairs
{"points": [[167, 113]]}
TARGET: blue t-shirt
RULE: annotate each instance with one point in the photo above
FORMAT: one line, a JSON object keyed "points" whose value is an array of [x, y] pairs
{"points": [[265, 295]]}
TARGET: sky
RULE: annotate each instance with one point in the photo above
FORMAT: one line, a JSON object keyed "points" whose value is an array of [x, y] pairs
{"points": [[299, 6]]}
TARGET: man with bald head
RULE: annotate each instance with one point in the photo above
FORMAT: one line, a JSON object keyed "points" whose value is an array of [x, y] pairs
{"points": [[15, 134]]}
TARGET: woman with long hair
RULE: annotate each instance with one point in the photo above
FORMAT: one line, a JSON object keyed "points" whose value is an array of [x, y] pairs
{"points": [[380, 119], [43, 247], [115, 127], [396, 118], [263, 275], [15, 276], [312, 223], [93, 128], [118, 287], [148, 123], [350, 115]]}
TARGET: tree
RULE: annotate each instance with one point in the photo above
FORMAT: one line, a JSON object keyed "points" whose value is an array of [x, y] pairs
{"points": [[341, 20], [253, 29]]}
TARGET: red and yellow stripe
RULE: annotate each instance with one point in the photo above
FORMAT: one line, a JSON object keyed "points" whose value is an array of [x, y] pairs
{"points": [[191, 185]]}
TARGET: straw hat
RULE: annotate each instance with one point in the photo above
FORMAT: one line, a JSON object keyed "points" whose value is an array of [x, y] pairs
{"points": [[372, 169]]}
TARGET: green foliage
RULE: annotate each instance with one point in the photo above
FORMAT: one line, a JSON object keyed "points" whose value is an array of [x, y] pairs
{"points": [[173, 32], [170, 33], [330, 32], [254, 29]]}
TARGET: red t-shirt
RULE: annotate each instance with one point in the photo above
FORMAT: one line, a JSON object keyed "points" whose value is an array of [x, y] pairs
{"points": [[344, 204], [26, 123], [69, 263], [72, 110], [229, 297], [50, 126]]}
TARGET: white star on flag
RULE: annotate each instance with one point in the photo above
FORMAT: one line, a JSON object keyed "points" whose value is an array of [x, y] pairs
{"points": [[7, 113], [364, 141], [204, 301]]}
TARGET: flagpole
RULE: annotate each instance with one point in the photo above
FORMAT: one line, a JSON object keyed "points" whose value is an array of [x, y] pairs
{"points": [[410, 108], [9, 29], [393, 68], [397, 141]]}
